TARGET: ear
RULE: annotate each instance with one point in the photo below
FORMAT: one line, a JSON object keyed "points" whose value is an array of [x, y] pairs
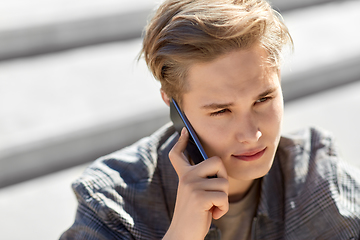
{"points": [[165, 97]]}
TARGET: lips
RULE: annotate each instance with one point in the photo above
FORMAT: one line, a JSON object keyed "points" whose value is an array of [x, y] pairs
{"points": [[251, 155]]}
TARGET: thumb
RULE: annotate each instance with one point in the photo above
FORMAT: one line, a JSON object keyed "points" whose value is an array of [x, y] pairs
{"points": [[176, 155]]}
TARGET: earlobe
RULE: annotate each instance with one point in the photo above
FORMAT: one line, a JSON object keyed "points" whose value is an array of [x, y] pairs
{"points": [[165, 97]]}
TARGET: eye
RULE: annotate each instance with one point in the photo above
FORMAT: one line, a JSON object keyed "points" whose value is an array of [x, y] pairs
{"points": [[222, 111], [264, 99]]}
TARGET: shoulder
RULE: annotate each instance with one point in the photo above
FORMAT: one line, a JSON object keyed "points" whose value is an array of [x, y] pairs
{"points": [[125, 189], [131, 165], [313, 152], [320, 189], [308, 143]]}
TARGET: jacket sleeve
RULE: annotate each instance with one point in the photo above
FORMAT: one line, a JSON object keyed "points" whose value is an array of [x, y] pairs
{"points": [[89, 226], [124, 195]]}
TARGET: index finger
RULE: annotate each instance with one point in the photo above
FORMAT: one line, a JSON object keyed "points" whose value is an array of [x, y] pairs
{"points": [[176, 154]]}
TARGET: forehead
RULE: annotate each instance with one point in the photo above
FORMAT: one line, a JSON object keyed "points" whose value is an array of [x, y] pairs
{"points": [[231, 73]]}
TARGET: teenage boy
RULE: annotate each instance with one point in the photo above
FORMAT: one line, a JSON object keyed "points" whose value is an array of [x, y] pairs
{"points": [[220, 60]]}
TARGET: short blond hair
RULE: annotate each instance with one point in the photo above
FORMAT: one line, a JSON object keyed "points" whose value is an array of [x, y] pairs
{"points": [[183, 32]]}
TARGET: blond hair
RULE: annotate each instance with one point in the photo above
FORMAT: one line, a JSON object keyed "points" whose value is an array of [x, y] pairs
{"points": [[183, 32]]}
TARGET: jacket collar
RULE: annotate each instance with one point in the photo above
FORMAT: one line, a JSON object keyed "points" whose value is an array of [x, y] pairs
{"points": [[275, 187]]}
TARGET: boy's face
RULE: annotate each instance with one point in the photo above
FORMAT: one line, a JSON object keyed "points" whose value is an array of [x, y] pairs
{"points": [[235, 105]]}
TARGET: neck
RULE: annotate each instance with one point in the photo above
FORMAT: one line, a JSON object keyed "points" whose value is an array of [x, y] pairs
{"points": [[238, 189]]}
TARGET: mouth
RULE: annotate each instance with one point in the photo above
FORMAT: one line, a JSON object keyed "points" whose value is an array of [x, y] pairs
{"points": [[251, 156]]}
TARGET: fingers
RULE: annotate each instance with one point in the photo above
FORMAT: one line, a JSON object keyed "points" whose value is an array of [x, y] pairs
{"points": [[220, 204], [176, 155], [199, 198], [209, 195], [212, 167]]}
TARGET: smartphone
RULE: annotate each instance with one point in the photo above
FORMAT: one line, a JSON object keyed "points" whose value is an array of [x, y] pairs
{"points": [[194, 149]]}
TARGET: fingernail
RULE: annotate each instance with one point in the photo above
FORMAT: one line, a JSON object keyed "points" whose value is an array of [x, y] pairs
{"points": [[183, 131]]}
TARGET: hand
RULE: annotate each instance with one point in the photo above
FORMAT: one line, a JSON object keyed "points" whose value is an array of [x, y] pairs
{"points": [[199, 198]]}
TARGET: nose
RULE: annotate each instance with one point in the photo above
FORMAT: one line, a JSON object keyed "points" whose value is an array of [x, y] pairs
{"points": [[248, 130]]}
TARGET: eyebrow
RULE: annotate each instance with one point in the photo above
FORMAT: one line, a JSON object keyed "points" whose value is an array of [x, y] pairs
{"points": [[267, 92], [214, 106]]}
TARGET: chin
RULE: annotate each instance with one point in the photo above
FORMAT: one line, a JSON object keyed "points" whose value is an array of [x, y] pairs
{"points": [[250, 174], [246, 171]]}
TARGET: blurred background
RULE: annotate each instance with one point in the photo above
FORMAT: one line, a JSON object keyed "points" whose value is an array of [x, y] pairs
{"points": [[72, 90]]}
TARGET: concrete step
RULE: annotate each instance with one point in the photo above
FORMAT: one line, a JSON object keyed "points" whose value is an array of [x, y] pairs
{"points": [[327, 50], [61, 110], [35, 27], [336, 110]]}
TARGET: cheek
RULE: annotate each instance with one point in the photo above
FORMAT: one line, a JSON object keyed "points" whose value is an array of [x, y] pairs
{"points": [[274, 114], [212, 138], [215, 146], [272, 120]]}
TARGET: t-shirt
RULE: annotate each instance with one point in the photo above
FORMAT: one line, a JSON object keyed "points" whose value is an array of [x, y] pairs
{"points": [[236, 223]]}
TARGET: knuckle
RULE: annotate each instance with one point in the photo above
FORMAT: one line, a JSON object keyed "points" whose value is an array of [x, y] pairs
{"points": [[184, 180], [224, 183], [172, 153], [224, 196], [187, 179], [216, 161]]}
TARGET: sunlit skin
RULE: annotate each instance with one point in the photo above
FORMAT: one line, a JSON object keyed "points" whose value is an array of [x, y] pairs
{"points": [[235, 105]]}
